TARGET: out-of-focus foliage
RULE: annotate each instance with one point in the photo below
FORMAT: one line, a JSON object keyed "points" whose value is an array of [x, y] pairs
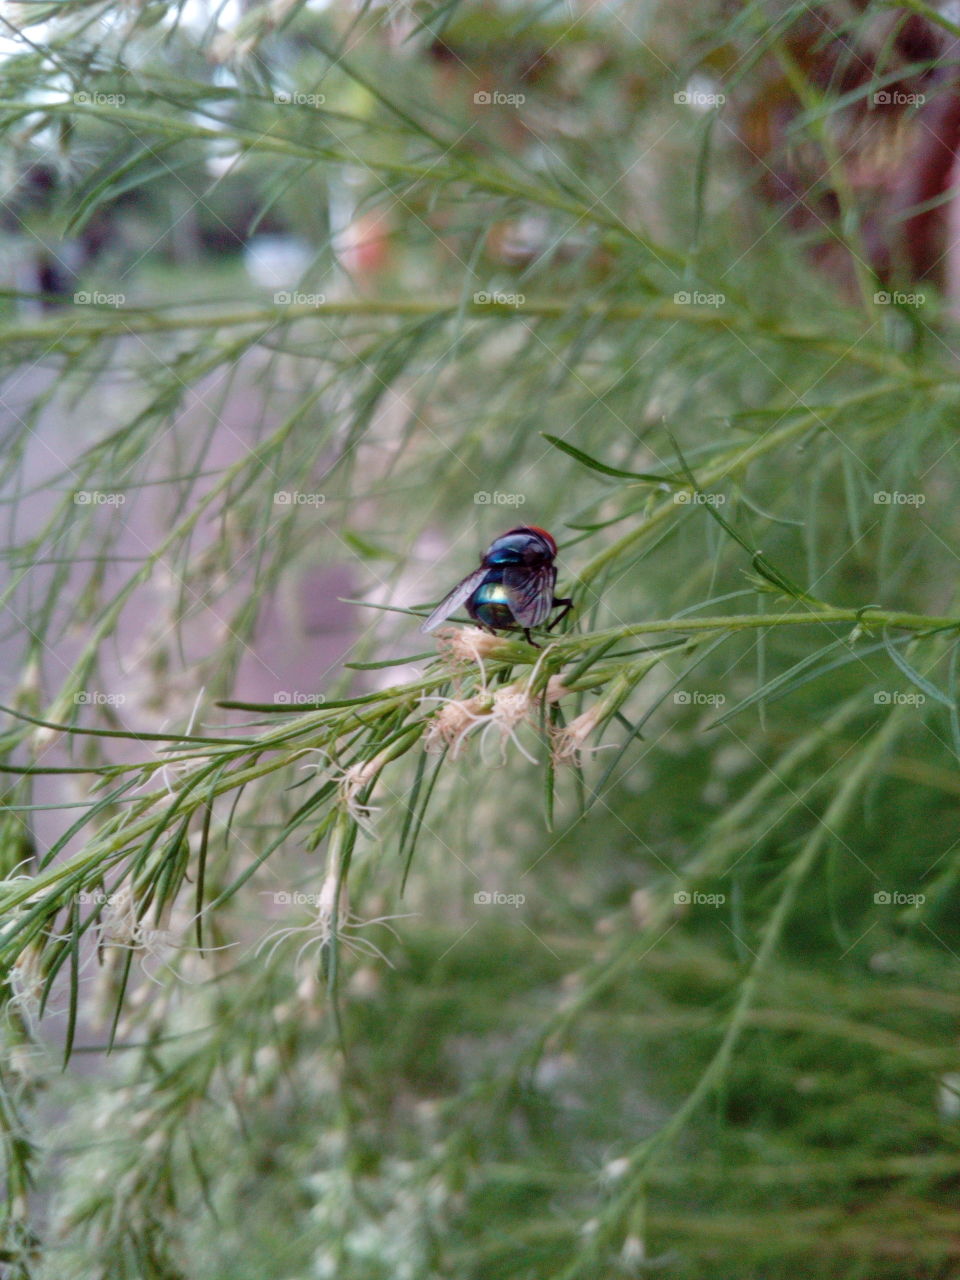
{"points": [[634, 953]]}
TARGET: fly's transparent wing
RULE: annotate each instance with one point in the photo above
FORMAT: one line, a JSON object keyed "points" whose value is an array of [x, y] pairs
{"points": [[530, 593], [450, 603]]}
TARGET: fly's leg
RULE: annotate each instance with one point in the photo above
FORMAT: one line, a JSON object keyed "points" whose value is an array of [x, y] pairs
{"points": [[567, 606]]}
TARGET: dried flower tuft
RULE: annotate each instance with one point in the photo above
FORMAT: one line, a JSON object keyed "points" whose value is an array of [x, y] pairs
{"points": [[568, 742]]}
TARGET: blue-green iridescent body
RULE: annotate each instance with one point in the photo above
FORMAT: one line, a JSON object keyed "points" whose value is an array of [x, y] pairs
{"points": [[489, 605], [525, 548], [512, 588]]}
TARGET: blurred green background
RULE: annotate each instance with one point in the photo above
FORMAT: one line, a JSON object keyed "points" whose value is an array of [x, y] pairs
{"points": [[304, 304]]}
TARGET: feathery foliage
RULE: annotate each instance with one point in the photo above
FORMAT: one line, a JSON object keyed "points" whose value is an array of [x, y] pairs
{"points": [[635, 951]]}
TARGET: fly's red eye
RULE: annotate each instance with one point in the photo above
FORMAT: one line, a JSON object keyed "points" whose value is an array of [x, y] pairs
{"points": [[548, 539]]}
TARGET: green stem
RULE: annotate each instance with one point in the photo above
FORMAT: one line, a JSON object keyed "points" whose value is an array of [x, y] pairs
{"points": [[754, 621], [767, 443], [794, 876], [113, 322]]}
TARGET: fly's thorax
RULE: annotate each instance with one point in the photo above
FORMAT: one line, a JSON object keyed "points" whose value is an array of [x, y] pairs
{"points": [[521, 547]]}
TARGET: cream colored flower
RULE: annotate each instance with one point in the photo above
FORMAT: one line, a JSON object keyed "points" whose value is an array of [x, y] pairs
{"points": [[333, 919], [468, 646], [26, 982], [356, 779], [556, 690], [119, 925], [503, 711], [568, 742], [454, 721]]}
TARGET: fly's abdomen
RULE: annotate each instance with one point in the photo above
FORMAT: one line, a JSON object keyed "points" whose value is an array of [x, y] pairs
{"points": [[488, 605]]}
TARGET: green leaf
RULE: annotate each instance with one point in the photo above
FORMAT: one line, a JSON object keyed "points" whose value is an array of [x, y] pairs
{"points": [[595, 465], [914, 676]]}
